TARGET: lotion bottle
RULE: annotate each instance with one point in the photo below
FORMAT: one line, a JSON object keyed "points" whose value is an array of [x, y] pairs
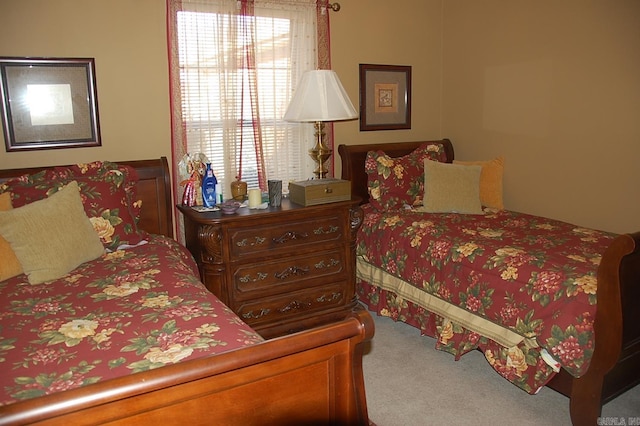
{"points": [[209, 187]]}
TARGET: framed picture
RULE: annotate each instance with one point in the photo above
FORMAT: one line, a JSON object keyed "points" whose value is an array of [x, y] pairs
{"points": [[385, 97], [49, 103]]}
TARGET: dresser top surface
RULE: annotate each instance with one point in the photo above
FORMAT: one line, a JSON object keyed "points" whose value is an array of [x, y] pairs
{"points": [[245, 212]]}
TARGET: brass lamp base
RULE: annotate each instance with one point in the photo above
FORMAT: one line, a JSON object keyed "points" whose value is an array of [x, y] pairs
{"points": [[320, 152]]}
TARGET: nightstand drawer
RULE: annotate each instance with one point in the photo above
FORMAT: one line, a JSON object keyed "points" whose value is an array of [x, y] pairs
{"points": [[281, 269], [287, 274], [255, 312], [284, 236]]}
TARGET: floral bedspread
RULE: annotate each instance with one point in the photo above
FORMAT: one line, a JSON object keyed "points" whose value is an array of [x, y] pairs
{"points": [[126, 312], [531, 275]]}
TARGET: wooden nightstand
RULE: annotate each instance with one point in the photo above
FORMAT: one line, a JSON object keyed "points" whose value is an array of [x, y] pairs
{"points": [[282, 269]]}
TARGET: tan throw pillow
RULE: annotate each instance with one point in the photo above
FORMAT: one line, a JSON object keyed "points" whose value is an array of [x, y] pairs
{"points": [[9, 263], [51, 237], [490, 181], [451, 188]]}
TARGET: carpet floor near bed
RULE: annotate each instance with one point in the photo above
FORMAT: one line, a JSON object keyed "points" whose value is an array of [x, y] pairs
{"points": [[408, 382]]}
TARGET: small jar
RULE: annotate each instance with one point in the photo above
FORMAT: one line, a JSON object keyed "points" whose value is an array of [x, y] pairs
{"points": [[238, 190]]}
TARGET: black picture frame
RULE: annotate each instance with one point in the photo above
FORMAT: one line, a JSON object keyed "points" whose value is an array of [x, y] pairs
{"points": [[49, 103], [385, 97]]}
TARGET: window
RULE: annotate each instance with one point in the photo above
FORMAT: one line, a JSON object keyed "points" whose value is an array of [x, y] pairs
{"points": [[237, 73]]}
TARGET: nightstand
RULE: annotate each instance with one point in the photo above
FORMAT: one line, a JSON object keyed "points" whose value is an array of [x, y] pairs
{"points": [[281, 269]]}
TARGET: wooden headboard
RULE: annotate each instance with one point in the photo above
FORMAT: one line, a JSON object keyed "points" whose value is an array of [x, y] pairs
{"points": [[154, 189], [354, 156]]}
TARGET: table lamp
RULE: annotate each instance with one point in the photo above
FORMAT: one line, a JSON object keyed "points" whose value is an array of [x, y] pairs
{"points": [[320, 97]]}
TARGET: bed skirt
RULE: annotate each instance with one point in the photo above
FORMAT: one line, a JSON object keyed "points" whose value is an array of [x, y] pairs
{"points": [[517, 358]]}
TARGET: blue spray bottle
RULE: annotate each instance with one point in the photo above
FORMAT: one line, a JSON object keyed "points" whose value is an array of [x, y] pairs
{"points": [[209, 187]]}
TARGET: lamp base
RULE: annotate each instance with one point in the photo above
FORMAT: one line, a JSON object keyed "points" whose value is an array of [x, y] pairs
{"points": [[320, 153]]}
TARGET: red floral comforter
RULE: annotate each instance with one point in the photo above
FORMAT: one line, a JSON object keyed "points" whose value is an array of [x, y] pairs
{"points": [[532, 275], [128, 311]]}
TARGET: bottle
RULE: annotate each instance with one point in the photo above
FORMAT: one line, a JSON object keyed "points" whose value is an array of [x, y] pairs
{"points": [[209, 183], [219, 194]]}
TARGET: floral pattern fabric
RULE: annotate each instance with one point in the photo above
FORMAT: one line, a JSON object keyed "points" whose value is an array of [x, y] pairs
{"points": [[534, 276], [394, 183], [108, 195], [126, 312]]}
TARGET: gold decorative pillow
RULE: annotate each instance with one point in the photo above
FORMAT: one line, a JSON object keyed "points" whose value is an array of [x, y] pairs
{"points": [[9, 266], [490, 181], [51, 237], [451, 188]]}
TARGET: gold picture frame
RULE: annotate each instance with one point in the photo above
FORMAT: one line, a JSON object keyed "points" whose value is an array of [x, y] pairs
{"points": [[49, 103], [385, 97]]}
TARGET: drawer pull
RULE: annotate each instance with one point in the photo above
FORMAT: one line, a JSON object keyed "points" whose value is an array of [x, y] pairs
{"points": [[259, 314], [328, 190], [294, 305], [247, 278], [256, 242], [322, 230], [289, 236], [329, 298], [291, 270], [322, 264]]}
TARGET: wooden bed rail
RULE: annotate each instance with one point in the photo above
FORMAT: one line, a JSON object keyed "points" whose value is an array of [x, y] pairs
{"points": [[304, 378], [588, 393]]}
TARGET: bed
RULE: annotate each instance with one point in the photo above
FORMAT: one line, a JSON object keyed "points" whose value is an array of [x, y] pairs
{"points": [[547, 302], [133, 337]]}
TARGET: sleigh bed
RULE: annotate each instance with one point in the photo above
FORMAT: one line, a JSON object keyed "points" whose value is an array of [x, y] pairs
{"points": [[547, 302], [132, 336]]}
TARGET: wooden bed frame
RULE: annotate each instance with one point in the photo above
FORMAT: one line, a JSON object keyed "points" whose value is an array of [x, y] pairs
{"points": [[311, 377], [615, 366]]}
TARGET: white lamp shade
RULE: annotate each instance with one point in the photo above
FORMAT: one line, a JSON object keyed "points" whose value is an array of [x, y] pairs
{"points": [[320, 97]]}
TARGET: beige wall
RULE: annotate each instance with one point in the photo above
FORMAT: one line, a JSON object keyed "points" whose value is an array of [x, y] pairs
{"points": [[128, 41], [554, 86], [405, 32], [551, 85]]}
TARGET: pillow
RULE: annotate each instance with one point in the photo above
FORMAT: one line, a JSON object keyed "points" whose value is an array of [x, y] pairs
{"points": [[108, 195], [396, 182], [51, 237], [9, 265], [490, 181], [451, 188], [118, 176]]}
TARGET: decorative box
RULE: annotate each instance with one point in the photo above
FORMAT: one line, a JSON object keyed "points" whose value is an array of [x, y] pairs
{"points": [[319, 191]]}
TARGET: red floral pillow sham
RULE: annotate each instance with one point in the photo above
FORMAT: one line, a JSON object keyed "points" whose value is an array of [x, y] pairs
{"points": [[107, 191], [396, 182]]}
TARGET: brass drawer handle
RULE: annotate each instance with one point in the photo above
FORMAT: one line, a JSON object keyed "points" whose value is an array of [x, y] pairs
{"points": [[291, 270], [289, 236], [329, 230], [328, 190]]}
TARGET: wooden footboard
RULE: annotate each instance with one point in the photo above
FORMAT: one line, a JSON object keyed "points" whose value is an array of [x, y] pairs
{"points": [[312, 377], [615, 366]]}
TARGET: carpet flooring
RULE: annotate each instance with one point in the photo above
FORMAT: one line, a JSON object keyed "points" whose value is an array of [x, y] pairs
{"points": [[408, 382]]}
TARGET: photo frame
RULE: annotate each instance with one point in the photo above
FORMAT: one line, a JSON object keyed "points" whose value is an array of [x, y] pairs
{"points": [[49, 103], [385, 97]]}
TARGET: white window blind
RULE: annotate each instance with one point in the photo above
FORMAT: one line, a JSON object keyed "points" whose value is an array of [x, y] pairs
{"points": [[217, 109]]}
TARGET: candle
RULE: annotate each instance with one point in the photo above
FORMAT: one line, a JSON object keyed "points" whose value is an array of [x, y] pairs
{"points": [[255, 198]]}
